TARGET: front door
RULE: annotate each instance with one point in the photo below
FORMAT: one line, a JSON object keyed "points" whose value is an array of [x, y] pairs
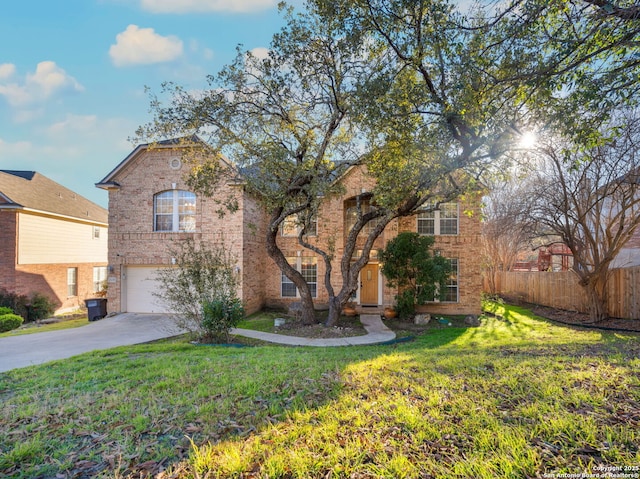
{"points": [[369, 284]]}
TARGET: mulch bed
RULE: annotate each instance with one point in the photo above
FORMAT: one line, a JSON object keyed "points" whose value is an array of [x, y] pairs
{"points": [[575, 318]]}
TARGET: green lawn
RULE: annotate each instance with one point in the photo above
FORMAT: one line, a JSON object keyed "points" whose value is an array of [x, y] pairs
{"points": [[36, 327], [516, 397]]}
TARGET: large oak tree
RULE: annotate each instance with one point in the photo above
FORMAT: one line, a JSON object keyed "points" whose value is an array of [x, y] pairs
{"points": [[426, 97]]}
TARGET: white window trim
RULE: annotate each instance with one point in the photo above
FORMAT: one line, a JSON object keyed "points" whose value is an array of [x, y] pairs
{"points": [[437, 221], [175, 212], [101, 278], [298, 268], [72, 281], [437, 292]]}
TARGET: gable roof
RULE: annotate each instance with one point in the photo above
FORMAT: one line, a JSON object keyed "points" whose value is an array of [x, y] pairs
{"points": [[108, 182], [29, 190]]}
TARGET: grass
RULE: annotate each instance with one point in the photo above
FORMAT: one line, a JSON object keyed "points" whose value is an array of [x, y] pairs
{"points": [[516, 397], [39, 327], [264, 321]]}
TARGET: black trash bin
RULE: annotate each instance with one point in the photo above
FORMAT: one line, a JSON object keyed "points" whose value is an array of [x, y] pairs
{"points": [[96, 308]]}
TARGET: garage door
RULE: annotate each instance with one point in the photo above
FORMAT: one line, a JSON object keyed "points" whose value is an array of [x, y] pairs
{"points": [[141, 283]]}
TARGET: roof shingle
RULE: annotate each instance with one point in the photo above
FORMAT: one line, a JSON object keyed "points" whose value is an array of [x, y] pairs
{"points": [[30, 189]]}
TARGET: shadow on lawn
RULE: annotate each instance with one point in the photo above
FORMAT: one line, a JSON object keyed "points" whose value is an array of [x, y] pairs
{"points": [[135, 410]]}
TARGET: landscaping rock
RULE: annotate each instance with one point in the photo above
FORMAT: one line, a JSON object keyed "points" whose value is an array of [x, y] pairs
{"points": [[422, 318], [472, 320]]}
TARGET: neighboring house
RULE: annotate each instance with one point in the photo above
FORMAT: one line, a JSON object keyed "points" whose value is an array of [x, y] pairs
{"points": [[52, 240], [150, 206], [629, 255]]}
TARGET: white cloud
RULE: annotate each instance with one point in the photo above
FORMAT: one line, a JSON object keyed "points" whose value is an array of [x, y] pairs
{"points": [[202, 6], [208, 54], [18, 148], [50, 78], [47, 81], [25, 115], [143, 46], [7, 70], [260, 53], [73, 124]]}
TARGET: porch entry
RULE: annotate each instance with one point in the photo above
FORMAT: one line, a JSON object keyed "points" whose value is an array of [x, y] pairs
{"points": [[369, 285]]}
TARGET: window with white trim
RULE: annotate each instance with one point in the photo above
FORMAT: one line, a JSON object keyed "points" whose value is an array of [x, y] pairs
{"points": [[451, 292], [72, 282], [441, 221], [308, 267], [99, 279], [174, 211], [451, 288], [291, 226]]}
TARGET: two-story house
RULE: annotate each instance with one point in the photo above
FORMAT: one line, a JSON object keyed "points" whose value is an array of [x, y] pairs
{"points": [[150, 206], [52, 240]]}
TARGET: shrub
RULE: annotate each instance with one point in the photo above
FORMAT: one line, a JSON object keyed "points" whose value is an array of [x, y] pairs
{"points": [[40, 307], [9, 322], [17, 302], [411, 265], [4, 310], [219, 316], [203, 275]]}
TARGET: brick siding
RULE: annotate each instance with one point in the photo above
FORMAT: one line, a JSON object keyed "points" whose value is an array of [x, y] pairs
{"points": [[132, 240]]}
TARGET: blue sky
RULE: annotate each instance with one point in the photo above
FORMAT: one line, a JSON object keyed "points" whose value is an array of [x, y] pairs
{"points": [[73, 74]]}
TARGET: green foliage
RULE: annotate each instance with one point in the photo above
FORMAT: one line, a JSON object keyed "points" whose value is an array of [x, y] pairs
{"points": [[33, 308], [219, 316], [507, 399], [9, 322], [40, 307], [203, 275], [5, 310], [17, 302], [410, 265]]}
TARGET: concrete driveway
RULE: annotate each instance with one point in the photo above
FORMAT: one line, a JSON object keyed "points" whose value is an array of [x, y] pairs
{"points": [[120, 330]]}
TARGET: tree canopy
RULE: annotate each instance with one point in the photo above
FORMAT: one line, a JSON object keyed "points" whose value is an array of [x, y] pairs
{"points": [[424, 95]]}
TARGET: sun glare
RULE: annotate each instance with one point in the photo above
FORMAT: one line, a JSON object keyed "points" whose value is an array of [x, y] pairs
{"points": [[528, 140]]}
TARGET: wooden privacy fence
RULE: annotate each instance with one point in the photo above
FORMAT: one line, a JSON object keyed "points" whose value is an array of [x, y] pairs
{"points": [[561, 290]]}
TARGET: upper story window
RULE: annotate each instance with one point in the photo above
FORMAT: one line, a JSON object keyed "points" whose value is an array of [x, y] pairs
{"points": [[174, 210], [352, 217], [291, 226], [443, 221]]}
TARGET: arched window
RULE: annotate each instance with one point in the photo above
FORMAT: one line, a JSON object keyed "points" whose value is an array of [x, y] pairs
{"points": [[174, 210]]}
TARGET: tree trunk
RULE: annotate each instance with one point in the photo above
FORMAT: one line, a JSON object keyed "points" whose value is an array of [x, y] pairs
{"points": [[596, 289], [335, 309], [307, 311]]}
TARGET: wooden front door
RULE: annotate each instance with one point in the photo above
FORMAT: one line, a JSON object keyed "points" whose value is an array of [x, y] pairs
{"points": [[369, 284]]}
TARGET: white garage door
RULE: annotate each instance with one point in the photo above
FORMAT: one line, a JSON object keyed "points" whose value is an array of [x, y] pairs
{"points": [[141, 284]]}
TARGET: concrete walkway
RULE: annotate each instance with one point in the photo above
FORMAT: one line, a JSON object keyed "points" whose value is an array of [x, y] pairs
{"points": [[377, 332], [133, 328]]}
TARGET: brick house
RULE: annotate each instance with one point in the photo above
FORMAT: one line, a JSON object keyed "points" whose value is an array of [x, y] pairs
{"points": [[150, 206], [52, 240]]}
